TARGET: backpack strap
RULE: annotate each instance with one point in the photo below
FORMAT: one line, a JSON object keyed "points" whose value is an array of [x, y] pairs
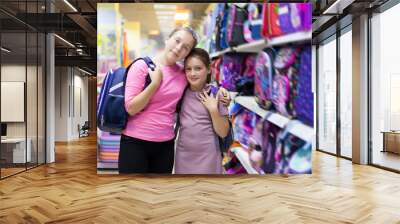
{"points": [[150, 64], [178, 110]]}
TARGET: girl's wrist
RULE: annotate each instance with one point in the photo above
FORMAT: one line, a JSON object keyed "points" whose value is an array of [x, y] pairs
{"points": [[214, 110]]}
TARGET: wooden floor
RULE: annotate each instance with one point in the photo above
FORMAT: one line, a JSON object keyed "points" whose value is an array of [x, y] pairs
{"points": [[70, 191]]}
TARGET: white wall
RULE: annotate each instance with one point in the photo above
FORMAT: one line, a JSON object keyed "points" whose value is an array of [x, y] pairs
{"points": [[70, 83], [61, 103]]}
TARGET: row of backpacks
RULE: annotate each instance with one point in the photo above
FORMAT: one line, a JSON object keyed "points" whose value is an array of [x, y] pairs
{"points": [[271, 149], [279, 78], [232, 24]]}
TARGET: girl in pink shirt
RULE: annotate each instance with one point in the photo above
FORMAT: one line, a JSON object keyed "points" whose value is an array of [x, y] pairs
{"points": [[147, 143]]}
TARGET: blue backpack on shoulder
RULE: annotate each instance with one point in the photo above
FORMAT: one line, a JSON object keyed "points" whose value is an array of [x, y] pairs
{"points": [[111, 114]]}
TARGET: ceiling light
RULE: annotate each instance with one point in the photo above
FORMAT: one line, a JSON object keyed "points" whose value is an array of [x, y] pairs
{"points": [[165, 17], [64, 40], [182, 16], [164, 6], [5, 49], [165, 13], [70, 5]]}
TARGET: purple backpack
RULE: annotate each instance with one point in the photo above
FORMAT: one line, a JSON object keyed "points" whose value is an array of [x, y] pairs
{"points": [[250, 66], [253, 25], [231, 70], [244, 124], [306, 15], [245, 83], [280, 93], [237, 17], [304, 101], [269, 146], [264, 77], [285, 80], [290, 17]]}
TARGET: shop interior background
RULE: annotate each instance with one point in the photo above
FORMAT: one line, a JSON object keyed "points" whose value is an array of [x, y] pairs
{"points": [[126, 31]]}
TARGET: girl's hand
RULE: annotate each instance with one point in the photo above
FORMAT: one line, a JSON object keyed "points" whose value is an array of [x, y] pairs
{"points": [[224, 96], [208, 101], [156, 75]]}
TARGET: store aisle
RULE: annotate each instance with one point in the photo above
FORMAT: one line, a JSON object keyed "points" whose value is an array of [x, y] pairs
{"points": [[71, 191]]}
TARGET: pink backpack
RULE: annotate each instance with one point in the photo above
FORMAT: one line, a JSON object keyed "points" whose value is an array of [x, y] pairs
{"points": [[264, 77], [285, 80]]}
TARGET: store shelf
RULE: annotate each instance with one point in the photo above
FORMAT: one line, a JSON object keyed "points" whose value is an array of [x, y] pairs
{"points": [[257, 46], [219, 53], [244, 159], [253, 47], [297, 37], [299, 129], [302, 131], [250, 103]]}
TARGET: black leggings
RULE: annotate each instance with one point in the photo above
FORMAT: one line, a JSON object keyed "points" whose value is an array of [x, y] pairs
{"points": [[140, 156]]}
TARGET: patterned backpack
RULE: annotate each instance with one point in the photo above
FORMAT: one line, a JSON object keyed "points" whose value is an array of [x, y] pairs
{"points": [[222, 27], [252, 26], [280, 93], [306, 15], [270, 133], [289, 18], [284, 18], [245, 83], [304, 101], [264, 77], [231, 70], [215, 28], [284, 89], [237, 16], [291, 159], [244, 123]]}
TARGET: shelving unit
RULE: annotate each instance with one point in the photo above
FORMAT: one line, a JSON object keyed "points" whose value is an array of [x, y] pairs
{"points": [[301, 130], [296, 127], [244, 159], [254, 47], [219, 53]]}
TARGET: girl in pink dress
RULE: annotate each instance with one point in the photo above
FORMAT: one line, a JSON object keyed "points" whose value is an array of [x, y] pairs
{"points": [[202, 119]]}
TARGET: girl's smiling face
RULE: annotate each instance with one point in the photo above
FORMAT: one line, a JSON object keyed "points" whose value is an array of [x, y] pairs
{"points": [[196, 73]]}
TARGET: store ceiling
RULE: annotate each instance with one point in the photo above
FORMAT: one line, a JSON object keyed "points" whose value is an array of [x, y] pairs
{"points": [[146, 15]]}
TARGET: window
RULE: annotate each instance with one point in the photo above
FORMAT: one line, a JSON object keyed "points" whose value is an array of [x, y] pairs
{"points": [[327, 96], [346, 94], [385, 87]]}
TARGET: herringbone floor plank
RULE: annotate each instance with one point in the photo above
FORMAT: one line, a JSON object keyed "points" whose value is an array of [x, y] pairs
{"points": [[70, 191]]}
